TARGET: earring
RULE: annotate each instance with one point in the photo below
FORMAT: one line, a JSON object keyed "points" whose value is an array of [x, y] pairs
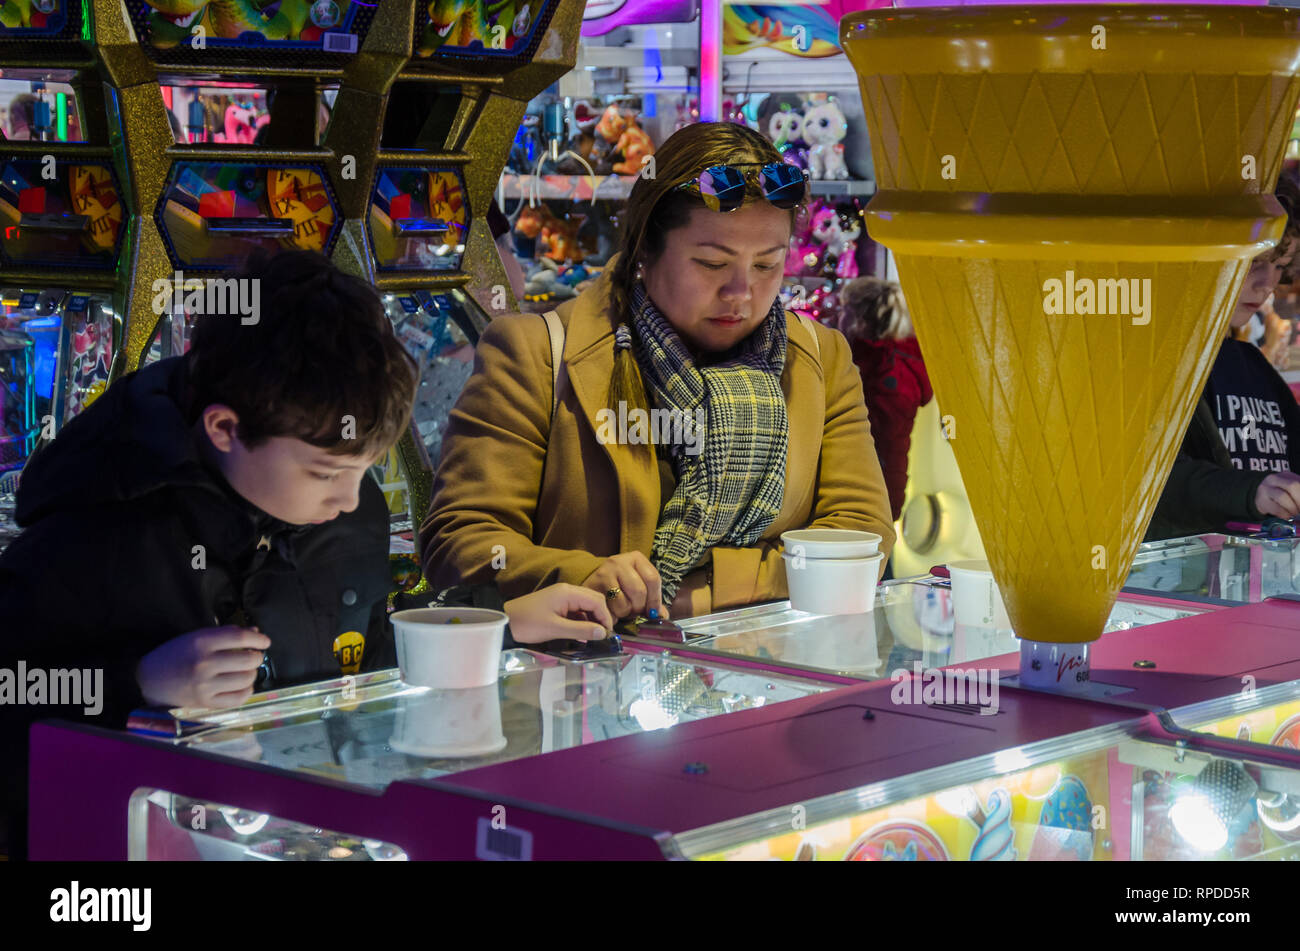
{"points": [[640, 272]]}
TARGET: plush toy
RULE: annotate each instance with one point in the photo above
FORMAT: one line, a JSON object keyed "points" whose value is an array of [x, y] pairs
{"points": [[529, 224], [838, 233], [241, 124], [544, 284], [583, 143], [785, 129], [560, 239], [824, 128], [634, 144], [609, 130], [533, 219]]}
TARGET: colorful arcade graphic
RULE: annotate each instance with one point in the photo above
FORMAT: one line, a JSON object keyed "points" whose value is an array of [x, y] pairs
{"points": [[800, 29], [213, 214], [33, 17], [1055, 812], [418, 219], [499, 28], [59, 214], [335, 26]]}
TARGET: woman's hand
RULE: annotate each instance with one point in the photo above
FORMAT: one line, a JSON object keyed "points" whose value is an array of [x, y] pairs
{"points": [[639, 588], [562, 610], [210, 667]]}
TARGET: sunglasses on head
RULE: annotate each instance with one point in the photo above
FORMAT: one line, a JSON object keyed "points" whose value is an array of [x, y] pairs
{"points": [[723, 186]]}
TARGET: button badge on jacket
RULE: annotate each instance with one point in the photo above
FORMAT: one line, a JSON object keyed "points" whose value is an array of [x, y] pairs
{"points": [[348, 649]]}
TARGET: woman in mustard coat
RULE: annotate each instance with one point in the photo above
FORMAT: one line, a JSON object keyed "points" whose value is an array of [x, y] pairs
{"points": [[691, 420]]}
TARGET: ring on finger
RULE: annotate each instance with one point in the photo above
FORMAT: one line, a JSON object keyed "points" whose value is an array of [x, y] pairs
{"points": [[613, 593]]}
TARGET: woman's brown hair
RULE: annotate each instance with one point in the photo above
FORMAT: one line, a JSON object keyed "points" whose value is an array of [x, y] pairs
{"points": [[655, 208]]}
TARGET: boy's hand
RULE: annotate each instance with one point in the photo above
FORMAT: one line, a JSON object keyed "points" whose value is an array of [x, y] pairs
{"points": [[210, 667], [638, 583], [562, 610], [1279, 495]]}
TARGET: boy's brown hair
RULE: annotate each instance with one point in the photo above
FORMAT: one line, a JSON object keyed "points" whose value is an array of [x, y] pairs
{"points": [[322, 349]]}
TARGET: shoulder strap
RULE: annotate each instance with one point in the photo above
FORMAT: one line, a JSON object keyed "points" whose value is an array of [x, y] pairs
{"points": [[555, 330], [812, 331]]}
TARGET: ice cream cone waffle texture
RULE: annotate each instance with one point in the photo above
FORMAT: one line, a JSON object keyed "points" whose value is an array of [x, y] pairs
{"points": [[1074, 196]]}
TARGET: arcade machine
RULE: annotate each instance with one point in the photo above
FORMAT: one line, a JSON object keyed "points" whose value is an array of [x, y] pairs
{"points": [[661, 753], [208, 198], [1159, 753], [387, 188], [436, 158], [65, 229]]}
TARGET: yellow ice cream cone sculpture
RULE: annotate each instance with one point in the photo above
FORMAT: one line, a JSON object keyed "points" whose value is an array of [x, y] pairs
{"points": [[1074, 195]]}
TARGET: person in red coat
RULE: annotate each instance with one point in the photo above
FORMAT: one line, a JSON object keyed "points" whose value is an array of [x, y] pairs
{"points": [[874, 318]]}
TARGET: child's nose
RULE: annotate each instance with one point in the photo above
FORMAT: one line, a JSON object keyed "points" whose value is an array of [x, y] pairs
{"points": [[347, 500]]}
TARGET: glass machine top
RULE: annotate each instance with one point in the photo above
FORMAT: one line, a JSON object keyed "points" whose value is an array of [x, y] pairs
{"points": [[1218, 568], [373, 729], [913, 621]]}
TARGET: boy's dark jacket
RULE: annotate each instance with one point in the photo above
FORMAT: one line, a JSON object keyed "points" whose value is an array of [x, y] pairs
{"points": [[1205, 491], [131, 541]]}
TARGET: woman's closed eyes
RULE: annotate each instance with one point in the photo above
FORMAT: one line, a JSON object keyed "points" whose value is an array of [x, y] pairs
{"points": [[718, 267]]}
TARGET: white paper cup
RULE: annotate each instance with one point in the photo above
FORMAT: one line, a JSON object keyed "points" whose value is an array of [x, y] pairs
{"points": [[433, 652], [976, 601], [832, 585], [450, 723], [830, 543]]}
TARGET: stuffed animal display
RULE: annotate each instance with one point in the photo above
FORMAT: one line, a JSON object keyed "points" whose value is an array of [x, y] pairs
{"points": [[808, 133], [825, 242], [824, 128]]}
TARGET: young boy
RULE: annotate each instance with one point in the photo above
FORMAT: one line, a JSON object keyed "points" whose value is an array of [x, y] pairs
{"points": [[207, 527], [1240, 459]]}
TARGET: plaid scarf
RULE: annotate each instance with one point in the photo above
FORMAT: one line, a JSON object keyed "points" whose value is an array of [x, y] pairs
{"points": [[732, 490]]}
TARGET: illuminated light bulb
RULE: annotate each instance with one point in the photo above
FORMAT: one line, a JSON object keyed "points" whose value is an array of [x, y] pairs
{"points": [[650, 716], [1196, 822], [1218, 795]]}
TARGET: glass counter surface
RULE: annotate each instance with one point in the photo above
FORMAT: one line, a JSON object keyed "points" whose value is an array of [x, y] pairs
{"points": [[1217, 569], [372, 730], [912, 622]]}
